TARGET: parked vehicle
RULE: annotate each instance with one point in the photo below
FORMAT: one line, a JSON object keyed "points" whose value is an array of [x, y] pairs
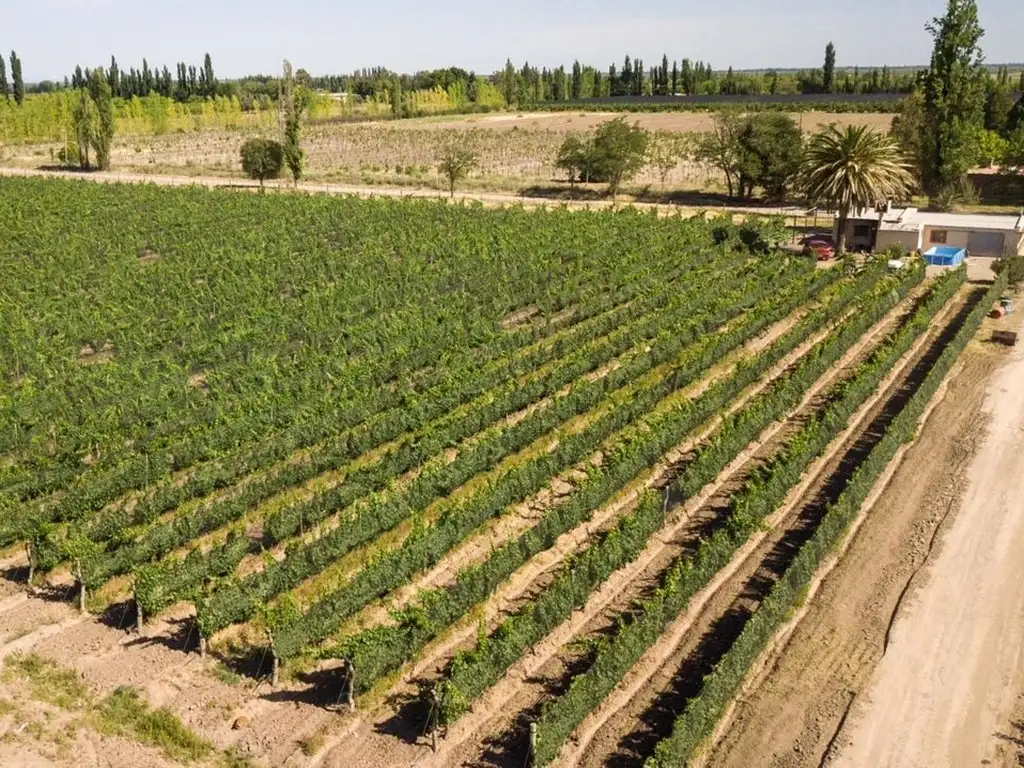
{"points": [[821, 247]]}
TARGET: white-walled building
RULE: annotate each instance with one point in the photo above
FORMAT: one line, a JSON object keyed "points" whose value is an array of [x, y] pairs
{"points": [[980, 234]]}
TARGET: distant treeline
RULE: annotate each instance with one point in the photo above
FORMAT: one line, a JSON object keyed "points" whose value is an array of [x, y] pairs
{"points": [[633, 85]]}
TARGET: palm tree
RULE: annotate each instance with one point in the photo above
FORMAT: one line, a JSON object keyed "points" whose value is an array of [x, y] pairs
{"points": [[853, 168]]}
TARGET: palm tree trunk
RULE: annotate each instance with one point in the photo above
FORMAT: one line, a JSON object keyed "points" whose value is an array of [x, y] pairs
{"points": [[844, 215]]}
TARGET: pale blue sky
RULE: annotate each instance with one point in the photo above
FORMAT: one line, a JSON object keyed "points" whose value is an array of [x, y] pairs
{"points": [[326, 36]]}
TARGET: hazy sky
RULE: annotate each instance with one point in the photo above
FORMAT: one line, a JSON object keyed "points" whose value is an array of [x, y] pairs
{"points": [[326, 36]]}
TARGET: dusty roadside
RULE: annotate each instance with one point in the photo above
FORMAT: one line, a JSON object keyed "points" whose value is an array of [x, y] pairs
{"points": [[792, 717], [954, 666]]}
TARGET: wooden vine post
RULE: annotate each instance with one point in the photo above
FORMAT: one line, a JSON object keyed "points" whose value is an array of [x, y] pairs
{"points": [[31, 553], [532, 757], [434, 717], [80, 576], [139, 618], [350, 686], [275, 662]]}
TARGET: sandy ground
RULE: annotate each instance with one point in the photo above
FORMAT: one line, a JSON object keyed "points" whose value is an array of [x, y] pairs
{"points": [[955, 659], [683, 122], [513, 150], [910, 545]]}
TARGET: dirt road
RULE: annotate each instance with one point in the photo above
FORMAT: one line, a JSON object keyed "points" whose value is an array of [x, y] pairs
{"points": [[955, 659], [937, 551], [488, 198]]}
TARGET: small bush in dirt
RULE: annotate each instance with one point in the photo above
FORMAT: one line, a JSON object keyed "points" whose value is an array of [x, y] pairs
{"points": [[262, 159], [310, 745]]}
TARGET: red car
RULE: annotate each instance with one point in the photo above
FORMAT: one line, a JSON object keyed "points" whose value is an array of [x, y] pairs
{"points": [[822, 247]]}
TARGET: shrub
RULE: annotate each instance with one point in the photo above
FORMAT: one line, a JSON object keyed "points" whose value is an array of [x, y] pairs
{"points": [[262, 159]]}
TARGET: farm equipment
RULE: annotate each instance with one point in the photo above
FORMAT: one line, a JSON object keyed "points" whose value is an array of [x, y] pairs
{"points": [[1008, 338]]}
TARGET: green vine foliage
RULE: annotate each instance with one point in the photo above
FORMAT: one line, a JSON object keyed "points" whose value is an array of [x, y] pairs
{"points": [[381, 650], [757, 499], [702, 713]]}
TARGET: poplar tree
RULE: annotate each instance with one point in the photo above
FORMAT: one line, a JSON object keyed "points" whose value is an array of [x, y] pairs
{"points": [[211, 81], [147, 78], [19, 83], [103, 135], [828, 72], [5, 91], [294, 157], [954, 101], [114, 76]]}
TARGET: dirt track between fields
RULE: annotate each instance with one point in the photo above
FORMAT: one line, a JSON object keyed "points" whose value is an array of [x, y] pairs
{"points": [[487, 198], [942, 529]]}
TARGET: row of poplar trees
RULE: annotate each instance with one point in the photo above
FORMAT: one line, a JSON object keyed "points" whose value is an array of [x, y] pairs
{"points": [[16, 88]]}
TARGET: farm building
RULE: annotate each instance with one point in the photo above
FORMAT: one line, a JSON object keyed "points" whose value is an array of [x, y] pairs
{"points": [[980, 234]]}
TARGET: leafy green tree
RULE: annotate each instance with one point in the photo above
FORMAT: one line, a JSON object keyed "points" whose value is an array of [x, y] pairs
{"points": [[574, 157], [665, 152], [720, 148], [1015, 119], [454, 164], [17, 80], [577, 81], [262, 159], [619, 152], [851, 169], [1013, 155], [908, 129], [998, 106], [992, 149], [147, 78], [954, 99], [828, 72], [103, 133], [114, 77], [5, 89], [292, 106], [770, 148]]}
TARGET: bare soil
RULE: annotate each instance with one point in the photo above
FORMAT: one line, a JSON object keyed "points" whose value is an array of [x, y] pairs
{"points": [[512, 149], [953, 664], [682, 122]]}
